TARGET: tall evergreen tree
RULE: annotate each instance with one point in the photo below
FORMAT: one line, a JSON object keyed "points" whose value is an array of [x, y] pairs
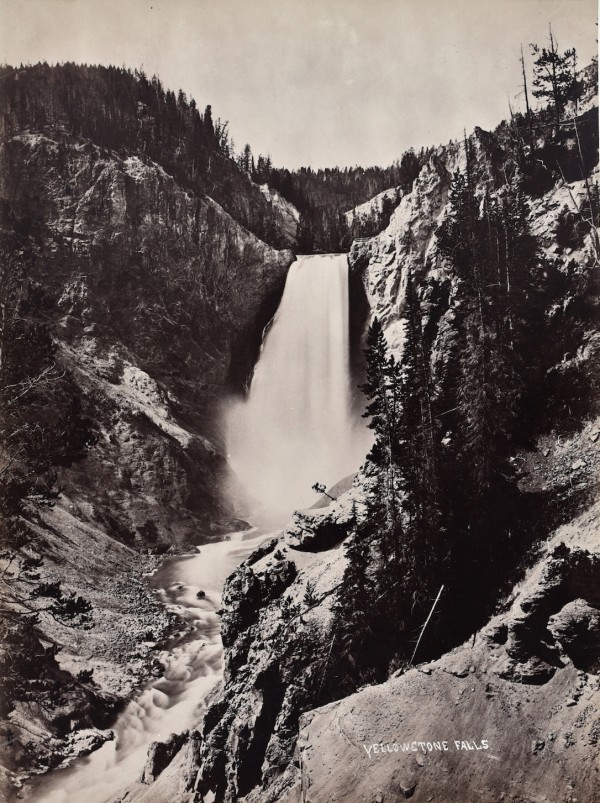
{"points": [[208, 121], [246, 160], [416, 441], [554, 74], [382, 412], [353, 609]]}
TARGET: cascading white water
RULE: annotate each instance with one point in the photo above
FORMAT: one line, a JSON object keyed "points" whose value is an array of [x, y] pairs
{"points": [[296, 426], [172, 703]]}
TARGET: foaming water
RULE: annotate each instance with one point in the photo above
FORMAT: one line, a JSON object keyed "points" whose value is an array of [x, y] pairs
{"points": [[175, 701], [296, 426]]}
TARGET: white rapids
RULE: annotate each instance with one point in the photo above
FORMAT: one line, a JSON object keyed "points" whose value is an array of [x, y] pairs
{"points": [[296, 427], [175, 701]]}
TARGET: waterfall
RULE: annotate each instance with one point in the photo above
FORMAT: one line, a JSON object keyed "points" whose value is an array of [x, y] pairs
{"points": [[296, 426]]}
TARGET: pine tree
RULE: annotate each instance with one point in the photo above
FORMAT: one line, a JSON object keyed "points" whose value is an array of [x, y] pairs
{"points": [[416, 443], [354, 602], [208, 121], [246, 159], [380, 390], [554, 74]]}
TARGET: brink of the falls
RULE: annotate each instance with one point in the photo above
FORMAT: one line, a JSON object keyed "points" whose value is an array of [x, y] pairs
{"points": [[296, 427]]}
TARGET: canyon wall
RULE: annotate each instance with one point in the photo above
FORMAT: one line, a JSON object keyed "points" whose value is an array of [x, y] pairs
{"points": [[156, 299]]}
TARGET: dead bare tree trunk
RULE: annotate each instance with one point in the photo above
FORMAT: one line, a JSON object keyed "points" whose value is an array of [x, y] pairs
{"points": [[426, 623], [526, 93]]}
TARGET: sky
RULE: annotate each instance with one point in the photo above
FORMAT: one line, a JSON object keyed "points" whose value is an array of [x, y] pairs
{"points": [[314, 82]]}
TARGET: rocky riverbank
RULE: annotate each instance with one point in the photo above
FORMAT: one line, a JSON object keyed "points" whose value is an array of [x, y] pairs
{"points": [[97, 671]]}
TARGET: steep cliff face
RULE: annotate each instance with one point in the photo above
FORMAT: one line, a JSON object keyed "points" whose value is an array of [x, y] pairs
{"points": [[156, 299], [409, 244], [159, 299], [373, 207], [285, 213]]}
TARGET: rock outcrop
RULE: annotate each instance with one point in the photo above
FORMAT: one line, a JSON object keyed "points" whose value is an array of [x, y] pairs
{"points": [[277, 606], [520, 695], [160, 756], [286, 213], [373, 207]]}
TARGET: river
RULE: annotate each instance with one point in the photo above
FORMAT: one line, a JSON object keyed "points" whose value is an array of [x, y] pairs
{"points": [[174, 702]]}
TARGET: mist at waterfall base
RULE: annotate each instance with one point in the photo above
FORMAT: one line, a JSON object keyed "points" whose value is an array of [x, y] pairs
{"points": [[297, 425]]}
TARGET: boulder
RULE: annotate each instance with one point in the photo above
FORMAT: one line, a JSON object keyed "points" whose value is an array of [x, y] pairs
{"points": [[160, 755]]}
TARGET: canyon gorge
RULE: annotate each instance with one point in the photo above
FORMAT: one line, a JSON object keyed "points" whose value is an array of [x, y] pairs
{"points": [[226, 470]]}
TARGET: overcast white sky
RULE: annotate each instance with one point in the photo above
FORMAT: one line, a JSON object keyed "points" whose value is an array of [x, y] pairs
{"points": [[319, 82]]}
